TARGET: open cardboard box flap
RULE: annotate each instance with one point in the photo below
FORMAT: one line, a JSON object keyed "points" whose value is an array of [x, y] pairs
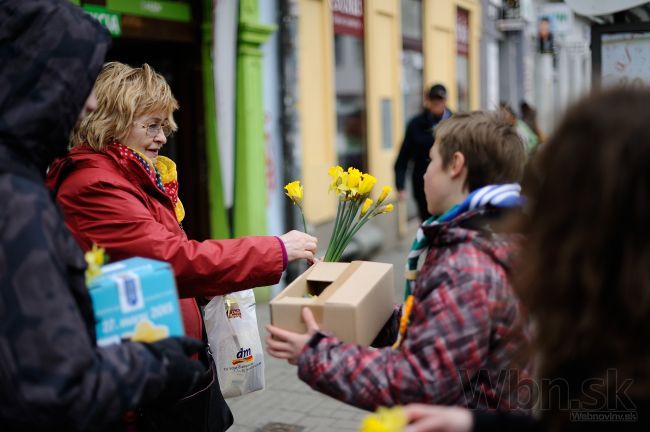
{"points": [[354, 299]]}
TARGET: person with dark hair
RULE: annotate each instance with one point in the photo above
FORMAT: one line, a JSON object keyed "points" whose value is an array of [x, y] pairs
{"points": [[583, 276], [458, 334], [418, 140], [529, 117], [529, 137], [53, 376]]}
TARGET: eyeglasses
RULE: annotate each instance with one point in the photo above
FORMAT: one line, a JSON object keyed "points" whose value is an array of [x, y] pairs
{"points": [[153, 129]]}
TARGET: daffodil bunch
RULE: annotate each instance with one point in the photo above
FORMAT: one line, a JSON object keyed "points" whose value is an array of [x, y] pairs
{"points": [[295, 192], [384, 420], [95, 259], [355, 207]]}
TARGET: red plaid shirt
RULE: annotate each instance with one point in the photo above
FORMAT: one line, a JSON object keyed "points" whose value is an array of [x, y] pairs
{"points": [[460, 343]]}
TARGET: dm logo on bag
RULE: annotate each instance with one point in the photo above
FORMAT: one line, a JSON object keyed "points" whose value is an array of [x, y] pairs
{"points": [[130, 292], [243, 356]]}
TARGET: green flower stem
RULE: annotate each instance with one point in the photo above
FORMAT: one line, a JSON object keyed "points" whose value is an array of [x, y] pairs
{"points": [[362, 220], [304, 224], [352, 233], [341, 228], [339, 214], [347, 228], [349, 235]]}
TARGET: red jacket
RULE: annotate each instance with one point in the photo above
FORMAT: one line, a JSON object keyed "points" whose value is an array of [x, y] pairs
{"points": [[110, 200]]}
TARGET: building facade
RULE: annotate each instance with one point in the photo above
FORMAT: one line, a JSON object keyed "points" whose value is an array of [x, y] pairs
{"points": [[362, 67]]}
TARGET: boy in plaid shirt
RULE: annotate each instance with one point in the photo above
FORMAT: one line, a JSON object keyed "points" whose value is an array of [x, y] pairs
{"points": [[463, 319]]}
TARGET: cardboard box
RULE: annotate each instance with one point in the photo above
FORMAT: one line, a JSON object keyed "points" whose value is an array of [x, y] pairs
{"points": [[355, 301], [136, 295]]}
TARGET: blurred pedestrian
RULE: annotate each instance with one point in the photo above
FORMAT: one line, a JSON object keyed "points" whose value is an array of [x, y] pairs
{"points": [[529, 116], [418, 139], [529, 137], [52, 374]]}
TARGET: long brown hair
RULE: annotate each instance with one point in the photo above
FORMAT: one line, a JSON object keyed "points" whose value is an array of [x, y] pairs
{"points": [[584, 274]]}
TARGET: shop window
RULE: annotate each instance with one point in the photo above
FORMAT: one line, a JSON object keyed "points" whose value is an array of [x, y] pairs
{"points": [[347, 17], [462, 59], [412, 60]]}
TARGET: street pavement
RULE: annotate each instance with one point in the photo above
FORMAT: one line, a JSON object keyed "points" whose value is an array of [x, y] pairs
{"points": [[289, 405]]}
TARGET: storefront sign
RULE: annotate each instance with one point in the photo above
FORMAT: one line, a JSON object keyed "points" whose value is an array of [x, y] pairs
{"points": [[347, 17], [112, 21], [163, 10]]}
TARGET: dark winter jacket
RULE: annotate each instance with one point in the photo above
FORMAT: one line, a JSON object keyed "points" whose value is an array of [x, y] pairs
{"points": [[52, 375], [462, 336], [418, 140]]}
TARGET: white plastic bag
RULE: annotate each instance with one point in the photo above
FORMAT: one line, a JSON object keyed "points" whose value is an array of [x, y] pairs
{"points": [[231, 325]]}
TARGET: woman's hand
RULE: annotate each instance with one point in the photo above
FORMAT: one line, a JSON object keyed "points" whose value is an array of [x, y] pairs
{"points": [[299, 245], [433, 418], [284, 344]]}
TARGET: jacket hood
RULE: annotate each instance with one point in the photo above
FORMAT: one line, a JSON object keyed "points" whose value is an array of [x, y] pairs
{"points": [[78, 157], [51, 52], [478, 227]]}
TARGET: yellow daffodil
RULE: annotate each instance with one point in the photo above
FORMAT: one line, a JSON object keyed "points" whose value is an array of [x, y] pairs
{"points": [[385, 209], [367, 183], [385, 420], [366, 206], [335, 172], [95, 259], [353, 180], [384, 194], [294, 191], [342, 188]]}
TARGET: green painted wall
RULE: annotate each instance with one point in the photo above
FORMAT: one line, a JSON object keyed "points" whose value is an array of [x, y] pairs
{"points": [[250, 152], [218, 218]]}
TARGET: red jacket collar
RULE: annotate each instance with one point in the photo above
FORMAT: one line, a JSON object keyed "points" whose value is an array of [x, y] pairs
{"points": [[110, 158]]}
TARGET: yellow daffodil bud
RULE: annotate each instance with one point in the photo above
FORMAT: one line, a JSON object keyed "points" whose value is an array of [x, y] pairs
{"points": [[386, 209], [385, 420], [366, 184], [384, 193], [366, 206], [294, 191], [95, 259], [95, 256], [335, 172]]}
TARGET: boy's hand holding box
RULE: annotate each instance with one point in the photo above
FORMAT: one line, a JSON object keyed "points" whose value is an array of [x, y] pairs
{"points": [[354, 300]]}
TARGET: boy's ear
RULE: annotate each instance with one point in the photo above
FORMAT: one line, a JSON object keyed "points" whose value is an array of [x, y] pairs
{"points": [[457, 164]]}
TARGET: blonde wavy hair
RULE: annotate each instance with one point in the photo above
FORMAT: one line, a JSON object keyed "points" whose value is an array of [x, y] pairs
{"points": [[123, 94]]}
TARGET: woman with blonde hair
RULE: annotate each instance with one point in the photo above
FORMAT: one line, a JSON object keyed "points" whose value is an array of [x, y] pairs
{"points": [[116, 191]]}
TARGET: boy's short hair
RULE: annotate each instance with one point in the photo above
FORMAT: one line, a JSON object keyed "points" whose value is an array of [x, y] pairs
{"points": [[494, 152], [123, 94]]}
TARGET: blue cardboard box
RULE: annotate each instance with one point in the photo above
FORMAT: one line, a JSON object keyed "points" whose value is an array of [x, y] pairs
{"points": [[135, 298]]}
